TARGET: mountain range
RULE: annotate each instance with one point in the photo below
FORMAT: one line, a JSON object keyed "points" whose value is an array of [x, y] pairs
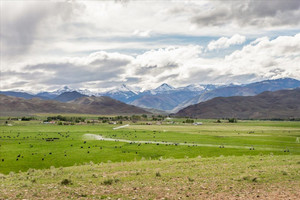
{"points": [[282, 104], [241, 90], [166, 97]]}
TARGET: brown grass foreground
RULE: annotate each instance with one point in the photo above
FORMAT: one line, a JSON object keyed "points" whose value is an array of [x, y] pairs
{"points": [[244, 177]]}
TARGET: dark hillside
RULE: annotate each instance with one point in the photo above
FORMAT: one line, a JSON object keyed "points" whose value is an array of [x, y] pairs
{"points": [[282, 104], [84, 105]]}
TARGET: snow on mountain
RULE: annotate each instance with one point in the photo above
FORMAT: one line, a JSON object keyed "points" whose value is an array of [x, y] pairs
{"points": [[69, 89], [62, 90], [193, 87], [122, 89], [162, 88], [86, 92], [122, 93]]}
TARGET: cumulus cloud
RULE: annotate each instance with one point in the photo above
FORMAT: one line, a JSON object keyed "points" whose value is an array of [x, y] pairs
{"points": [[164, 57], [165, 64], [142, 33], [249, 13], [97, 67], [225, 42], [40, 28], [262, 59], [267, 58], [48, 44]]}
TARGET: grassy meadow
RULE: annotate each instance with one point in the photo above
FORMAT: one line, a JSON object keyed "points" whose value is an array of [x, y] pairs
{"points": [[35, 145], [254, 152], [232, 177]]}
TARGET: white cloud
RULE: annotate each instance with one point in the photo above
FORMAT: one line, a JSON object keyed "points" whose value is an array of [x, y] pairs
{"points": [[45, 28], [165, 39], [165, 65], [164, 56], [225, 42], [142, 33], [250, 13], [178, 66], [259, 60], [22, 23], [267, 58], [100, 67]]}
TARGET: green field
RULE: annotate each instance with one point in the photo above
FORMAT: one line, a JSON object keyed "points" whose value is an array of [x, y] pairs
{"points": [[29, 145]]}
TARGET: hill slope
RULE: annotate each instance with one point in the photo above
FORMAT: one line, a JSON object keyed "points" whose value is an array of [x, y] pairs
{"points": [[69, 96], [238, 177], [107, 105], [281, 104], [22, 95], [96, 105]]}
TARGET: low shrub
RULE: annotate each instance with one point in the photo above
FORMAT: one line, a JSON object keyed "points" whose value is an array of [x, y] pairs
{"points": [[66, 182]]}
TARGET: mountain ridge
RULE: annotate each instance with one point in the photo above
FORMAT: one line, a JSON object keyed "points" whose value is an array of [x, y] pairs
{"points": [[281, 104], [102, 105], [242, 90], [69, 96], [166, 97]]}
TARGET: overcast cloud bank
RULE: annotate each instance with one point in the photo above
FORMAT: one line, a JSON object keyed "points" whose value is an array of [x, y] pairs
{"points": [[100, 45]]}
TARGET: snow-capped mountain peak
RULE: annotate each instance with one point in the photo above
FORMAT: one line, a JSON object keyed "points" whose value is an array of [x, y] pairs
{"points": [[195, 87], [62, 90], [69, 89], [86, 92], [122, 89], [164, 87], [122, 93]]}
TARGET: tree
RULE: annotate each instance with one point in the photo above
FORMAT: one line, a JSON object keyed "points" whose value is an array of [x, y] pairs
{"points": [[232, 120]]}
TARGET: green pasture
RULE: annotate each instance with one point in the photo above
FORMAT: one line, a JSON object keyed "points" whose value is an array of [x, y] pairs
{"points": [[26, 145]]}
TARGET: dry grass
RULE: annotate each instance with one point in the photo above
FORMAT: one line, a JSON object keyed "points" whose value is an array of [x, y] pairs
{"points": [[244, 177]]}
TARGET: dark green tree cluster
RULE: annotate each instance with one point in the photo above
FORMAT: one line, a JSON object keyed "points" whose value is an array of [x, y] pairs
{"points": [[232, 120], [188, 121], [22, 118], [158, 117], [27, 118], [66, 119], [123, 118]]}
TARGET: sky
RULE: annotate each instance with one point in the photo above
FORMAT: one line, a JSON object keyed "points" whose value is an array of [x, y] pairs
{"points": [[100, 45]]}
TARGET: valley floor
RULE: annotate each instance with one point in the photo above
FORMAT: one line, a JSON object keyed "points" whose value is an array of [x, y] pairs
{"points": [[232, 177]]}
